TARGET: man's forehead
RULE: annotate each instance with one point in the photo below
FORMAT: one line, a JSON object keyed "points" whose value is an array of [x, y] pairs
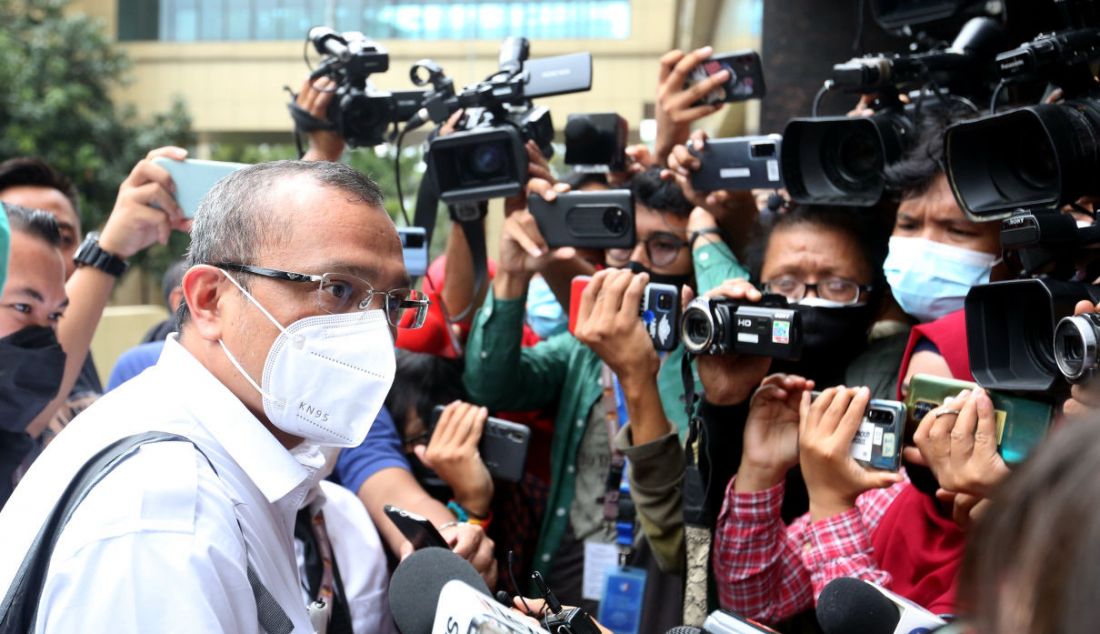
{"points": [[44, 198]]}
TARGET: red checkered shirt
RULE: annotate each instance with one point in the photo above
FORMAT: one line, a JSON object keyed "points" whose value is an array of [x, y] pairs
{"points": [[769, 572]]}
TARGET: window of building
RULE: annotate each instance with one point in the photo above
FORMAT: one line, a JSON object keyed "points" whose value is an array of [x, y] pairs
{"points": [[235, 20]]}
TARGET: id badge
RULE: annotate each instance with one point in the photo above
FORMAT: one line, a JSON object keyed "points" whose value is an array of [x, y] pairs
{"points": [[621, 604]]}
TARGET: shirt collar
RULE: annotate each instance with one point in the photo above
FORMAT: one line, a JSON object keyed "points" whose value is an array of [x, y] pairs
{"points": [[274, 470]]}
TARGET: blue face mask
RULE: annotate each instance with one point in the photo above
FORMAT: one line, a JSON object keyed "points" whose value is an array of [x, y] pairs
{"points": [[544, 313], [931, 279]]}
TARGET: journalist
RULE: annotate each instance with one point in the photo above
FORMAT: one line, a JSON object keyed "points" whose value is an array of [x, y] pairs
{"points": [[569, 371], [32, 302], [145, 213], [286, 346]]}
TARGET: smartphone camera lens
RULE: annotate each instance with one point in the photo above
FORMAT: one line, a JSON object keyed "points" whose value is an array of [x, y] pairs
{"points": [[614, 220], [664, 302]]}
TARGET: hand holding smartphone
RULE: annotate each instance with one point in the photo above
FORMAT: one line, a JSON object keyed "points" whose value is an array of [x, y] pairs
{"points": [[877, 443], [594, 220], [193, 178], [746, 80], [418, 530], [659, 311]]}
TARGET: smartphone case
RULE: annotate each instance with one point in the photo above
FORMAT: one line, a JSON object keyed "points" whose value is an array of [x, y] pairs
{"points": [[592, 220], [193, 178], [877, 444], [1021, 423], [418, 530], [660, 313], [576, 288], [503, 446]]}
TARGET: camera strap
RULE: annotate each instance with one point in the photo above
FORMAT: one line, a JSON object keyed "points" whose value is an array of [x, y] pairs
{"points": [[697, 537], [19, 610]]}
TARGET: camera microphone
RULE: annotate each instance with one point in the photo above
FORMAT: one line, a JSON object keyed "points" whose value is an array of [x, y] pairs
{"points": [[329, 42]]}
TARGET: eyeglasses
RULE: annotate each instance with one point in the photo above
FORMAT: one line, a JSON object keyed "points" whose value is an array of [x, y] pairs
{"points": [[836, 289], [338, 293], [661, 247]]}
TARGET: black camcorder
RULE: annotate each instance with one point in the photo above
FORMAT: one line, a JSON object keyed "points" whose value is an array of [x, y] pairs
{"points": [[486, 158], [596, 142], [770, 328], [841, 160], [358, 112]]}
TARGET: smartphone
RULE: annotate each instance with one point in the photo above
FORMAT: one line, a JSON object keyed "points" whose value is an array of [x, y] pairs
{"points": [[746, 77], [1022, 423], [418, 530], [739, 164], [594, 220], [414, 247], [193, 178], [659, 311], [877, 444], [503, 446]]}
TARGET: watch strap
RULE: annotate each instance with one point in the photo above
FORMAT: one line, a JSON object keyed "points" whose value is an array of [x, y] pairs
{"points": [[91, 254]]}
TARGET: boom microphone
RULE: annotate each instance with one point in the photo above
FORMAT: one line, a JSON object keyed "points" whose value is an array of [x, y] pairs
{"points": [[847, 605]]}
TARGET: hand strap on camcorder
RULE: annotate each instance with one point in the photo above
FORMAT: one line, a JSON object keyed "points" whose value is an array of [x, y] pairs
{"points": [[697, 537], [19, 610]]}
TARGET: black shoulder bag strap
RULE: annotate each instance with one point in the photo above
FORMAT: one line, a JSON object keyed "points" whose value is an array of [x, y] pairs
{"points": [[19, 609], [697, 538]]}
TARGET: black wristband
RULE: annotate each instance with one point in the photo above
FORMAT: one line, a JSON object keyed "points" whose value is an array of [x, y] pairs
{"points": [[91, 254], [703, 232]]}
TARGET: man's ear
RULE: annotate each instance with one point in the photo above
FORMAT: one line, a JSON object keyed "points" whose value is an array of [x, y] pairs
{"points": [[203, 290]]}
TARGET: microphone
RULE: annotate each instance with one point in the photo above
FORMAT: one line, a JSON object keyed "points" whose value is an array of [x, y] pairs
{"points": [[847, 604], [723, 622], [435, 590], [327, 41]]}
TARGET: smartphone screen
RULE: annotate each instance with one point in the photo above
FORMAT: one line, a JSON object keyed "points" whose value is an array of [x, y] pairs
{"points": [[746, 77]]}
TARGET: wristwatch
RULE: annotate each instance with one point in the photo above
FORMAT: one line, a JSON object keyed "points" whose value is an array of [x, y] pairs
{"points": [[90, 254]]}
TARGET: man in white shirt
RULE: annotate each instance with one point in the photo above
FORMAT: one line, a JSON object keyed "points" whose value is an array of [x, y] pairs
{"points": [[296, 273]]}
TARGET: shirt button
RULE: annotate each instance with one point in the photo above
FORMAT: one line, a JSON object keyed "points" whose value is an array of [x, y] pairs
{"points": [[546, 558], [703, 257], [580, 422], [571, 469], [560, 512], [484, 354]]}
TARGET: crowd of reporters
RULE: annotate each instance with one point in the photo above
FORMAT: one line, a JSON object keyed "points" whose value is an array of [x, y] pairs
{"points": [[729, 474]]}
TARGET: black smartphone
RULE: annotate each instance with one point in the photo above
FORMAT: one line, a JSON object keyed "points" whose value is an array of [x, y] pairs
{"points": [[746, 77], [739, 163], [503, 446], [877, 443], [660, 313], [418, 530], [594, 220]]}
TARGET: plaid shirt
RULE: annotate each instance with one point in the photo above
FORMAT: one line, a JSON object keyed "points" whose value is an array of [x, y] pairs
{"points": [[769, 572]]}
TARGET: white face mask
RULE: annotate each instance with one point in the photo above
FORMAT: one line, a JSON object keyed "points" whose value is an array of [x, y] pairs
{"points": [[327, 376]]}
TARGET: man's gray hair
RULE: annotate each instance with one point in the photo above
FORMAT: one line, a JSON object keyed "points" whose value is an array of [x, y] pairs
{"points": [[235, 219]]}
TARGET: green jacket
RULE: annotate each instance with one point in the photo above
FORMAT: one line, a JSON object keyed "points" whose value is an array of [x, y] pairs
{"points": [[563, 373]]}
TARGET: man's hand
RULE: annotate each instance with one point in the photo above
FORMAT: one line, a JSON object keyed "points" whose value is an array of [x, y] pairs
{"points": [[452, 453], [470, 543], [771, 433], [961, 449], [965, 508], [730, 378], [315, 98], [608, 322], [675, 109], [145, 211], [826, 429], [1084, 397], [538, 169]]}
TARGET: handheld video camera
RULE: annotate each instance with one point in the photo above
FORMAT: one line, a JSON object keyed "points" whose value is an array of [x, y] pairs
{"points": [[840, 160], [486, 158], [359, 113], [770, 328]]}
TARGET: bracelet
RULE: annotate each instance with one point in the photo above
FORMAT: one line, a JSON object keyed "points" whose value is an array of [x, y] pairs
{"points": [[467, 517], [695, 235]]}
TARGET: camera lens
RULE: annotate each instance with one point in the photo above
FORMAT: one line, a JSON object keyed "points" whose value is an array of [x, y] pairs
{"points": [[857, 157], [488, 159], [697, 329], [664, 301], [1075, 347], [614, 220]]}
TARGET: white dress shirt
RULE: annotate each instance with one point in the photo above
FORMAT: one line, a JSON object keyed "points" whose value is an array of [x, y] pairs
{"points": [[162, 544]]}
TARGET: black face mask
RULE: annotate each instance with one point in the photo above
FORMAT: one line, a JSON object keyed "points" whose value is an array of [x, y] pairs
{"points": [[31, 366], [832, 337], [679, 281]]}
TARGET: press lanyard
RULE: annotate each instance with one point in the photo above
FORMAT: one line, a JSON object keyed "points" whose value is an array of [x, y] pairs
{"points": [[617, 486]]}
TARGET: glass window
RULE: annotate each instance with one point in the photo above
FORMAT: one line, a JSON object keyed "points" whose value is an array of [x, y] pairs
{"points": [[212, 20]]}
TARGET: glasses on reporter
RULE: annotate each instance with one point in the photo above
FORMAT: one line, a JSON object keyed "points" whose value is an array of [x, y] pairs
{"points": [[661, 248], [836, 289], [340, 293]]}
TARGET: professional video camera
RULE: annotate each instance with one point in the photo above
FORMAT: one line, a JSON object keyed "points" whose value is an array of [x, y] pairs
{"points": [[359, 113], [840, 160], [486, 158], [1023, 167]]}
